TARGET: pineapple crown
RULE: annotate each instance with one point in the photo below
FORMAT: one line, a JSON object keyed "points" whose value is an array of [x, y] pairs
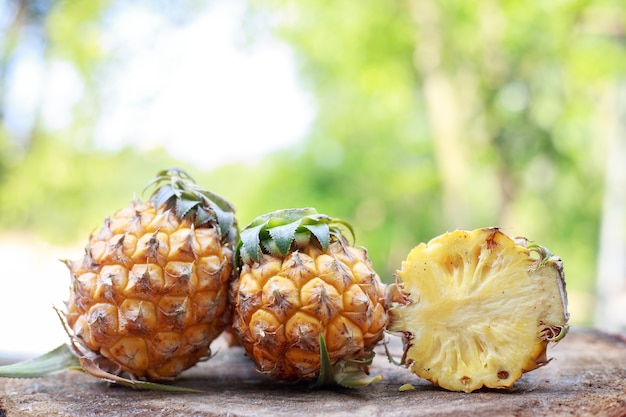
{"points": [[276, 233], [177, 191]]}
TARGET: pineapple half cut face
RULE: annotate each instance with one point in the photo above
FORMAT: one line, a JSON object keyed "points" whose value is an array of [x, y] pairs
{"points": [[478, 308]]}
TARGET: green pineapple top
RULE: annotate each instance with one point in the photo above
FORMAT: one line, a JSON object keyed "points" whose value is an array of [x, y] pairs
{"points": [[178, 192], [283, 231]]}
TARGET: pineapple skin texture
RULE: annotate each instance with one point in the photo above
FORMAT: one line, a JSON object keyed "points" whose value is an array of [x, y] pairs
{"points": [[151, 293], [478, 309], [282, 306]]}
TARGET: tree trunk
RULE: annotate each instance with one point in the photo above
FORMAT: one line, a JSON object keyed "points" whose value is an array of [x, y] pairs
{"points": [[443, 105], [610, 309]]}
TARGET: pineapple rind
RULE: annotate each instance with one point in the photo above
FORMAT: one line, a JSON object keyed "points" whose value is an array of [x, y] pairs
{"points": [[478, 309], [283, 305]]}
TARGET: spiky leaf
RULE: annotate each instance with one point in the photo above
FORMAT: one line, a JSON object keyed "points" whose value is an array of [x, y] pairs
{"points": [[275, 233], [183, 207], [321, 231], [326, 377], [63, 358], [163, 194], [348, 374], [176, 190], [57, 360], [283, 235], [225, 220], [203, 216], [251, 242]]}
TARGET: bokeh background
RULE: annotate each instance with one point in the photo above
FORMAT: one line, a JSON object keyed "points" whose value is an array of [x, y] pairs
{"points": [[408, 118]]}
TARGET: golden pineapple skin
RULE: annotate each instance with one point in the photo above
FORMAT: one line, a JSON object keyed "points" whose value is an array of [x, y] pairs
{"points": [[283, 305], [150, 293], [478, 309]]}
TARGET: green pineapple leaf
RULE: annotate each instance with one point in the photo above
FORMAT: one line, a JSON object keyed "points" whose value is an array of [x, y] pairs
{"points": [[177, 191], [184, 207], [321, 231], [57, 360], [63, 359], [202, 216], [163, 195], [326, 377], [275, 233], [284, 235], [348, 374], [250, 240], [225, 221]]}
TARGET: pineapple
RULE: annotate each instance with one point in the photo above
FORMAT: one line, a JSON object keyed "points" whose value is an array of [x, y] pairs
{"points": [[151, 292], [477, 308], [305, 298]]}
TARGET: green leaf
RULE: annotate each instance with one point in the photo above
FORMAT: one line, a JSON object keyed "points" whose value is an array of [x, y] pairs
{"points": [[269, 246], [163, 195], [183, 207], [202, 216], [338, 224], [178, 190], [284, 235], [326, 377], [321, 232], [275, 232], [348, 373], [224, 204], [57, 360], [180, 173], [251, 242], [291, 215], [225, 219], [62, 359]]}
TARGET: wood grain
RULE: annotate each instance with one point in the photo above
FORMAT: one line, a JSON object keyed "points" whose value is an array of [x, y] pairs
{"points": [[586, 378]]}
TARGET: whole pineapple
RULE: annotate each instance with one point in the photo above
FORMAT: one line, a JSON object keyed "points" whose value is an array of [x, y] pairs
{"points": [[151, 292], [478, 308], [304, 297]]}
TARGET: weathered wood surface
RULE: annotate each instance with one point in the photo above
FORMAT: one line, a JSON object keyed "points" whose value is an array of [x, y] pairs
{"points": [[586, 378]]}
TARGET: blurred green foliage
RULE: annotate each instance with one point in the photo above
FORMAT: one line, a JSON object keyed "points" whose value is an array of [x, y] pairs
{"points": [[63, 193], [430, 116], [520, 83]]}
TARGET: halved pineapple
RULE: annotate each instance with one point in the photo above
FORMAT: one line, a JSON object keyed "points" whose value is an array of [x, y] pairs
{"points": [[478, 308]]}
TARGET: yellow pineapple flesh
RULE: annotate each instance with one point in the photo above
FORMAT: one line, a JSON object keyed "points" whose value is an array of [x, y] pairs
{"points": [[151, 292], [301, 281], [478, 308]]}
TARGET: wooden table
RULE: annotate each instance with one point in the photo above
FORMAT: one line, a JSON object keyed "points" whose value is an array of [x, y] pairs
{"points": [[586, 378]]}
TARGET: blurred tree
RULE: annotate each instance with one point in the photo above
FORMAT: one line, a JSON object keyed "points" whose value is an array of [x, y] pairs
{"points": [[434, 115], [55, 182], [368, 158], [50, 30], [611, 278]]}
